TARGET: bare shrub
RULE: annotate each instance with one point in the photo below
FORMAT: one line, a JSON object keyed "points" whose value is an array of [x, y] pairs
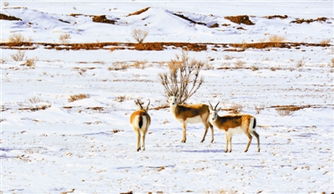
{"points": [[17, 38], [276, 38], [65, 38], [325, 42], [235, 109], [29, 63], [183, 78], [300, 63], [258, 109], [139, 35], [239, 64], [19, 56], [77, 97], [120, 98]]}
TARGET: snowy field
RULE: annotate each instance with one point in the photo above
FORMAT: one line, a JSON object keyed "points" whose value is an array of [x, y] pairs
{"points": [[52, 144]]}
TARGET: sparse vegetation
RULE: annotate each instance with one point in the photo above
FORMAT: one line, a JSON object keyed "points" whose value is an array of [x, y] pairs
{"points": [[300, 63], [239, 63], [77, 97], [64, 38], [325, 42], [276, 38], [139, 35], [19, 56], [29, 63], [17, 38], [183, 79]]}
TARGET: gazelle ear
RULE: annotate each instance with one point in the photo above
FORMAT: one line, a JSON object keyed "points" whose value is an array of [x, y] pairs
{"points": [[148, 104]]}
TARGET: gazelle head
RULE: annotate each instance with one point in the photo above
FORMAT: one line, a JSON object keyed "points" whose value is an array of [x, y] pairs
{"points": [[172, 100], [213, 112], [140, 105]]}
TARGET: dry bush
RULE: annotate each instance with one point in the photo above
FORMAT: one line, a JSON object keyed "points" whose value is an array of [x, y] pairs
{"points": [[332, 62], [29, 63], [276, 38], [19, 56], [254, 68], [17, 38], [325, 42], [65, 38], [239, 64], [5, 4], [235, 109], [139, 35], [139, 64], [258, 109], [117, 66], [77, 97], [120, 98], [300, 63], [183, 78]]}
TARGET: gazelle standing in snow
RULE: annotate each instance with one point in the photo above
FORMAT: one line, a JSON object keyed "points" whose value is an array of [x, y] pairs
{"points": [[140, 120], [190, 113], [234, 124]]}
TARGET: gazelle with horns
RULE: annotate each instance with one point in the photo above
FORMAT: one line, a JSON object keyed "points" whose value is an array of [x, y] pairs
{"points": [[190, 113], [140, 120], [234, 124]]}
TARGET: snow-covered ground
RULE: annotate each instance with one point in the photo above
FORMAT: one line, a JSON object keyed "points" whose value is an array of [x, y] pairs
{"points": [[87, 146]]}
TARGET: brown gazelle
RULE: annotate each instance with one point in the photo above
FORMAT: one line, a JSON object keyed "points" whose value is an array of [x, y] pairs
{"points": [[190, 113], [140, 120], [234, 124]]}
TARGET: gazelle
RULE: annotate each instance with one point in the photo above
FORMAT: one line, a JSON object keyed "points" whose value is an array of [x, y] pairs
{"points": [[234, 124], [140, 120], [190, 113]]}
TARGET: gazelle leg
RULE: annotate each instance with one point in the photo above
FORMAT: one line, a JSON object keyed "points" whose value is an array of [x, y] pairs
{"points": [[184, 133], [258, 139], [143, 134], [212, 133], [227, 142], [205, 132], [249, 141], [138, 140], [230, 141]]}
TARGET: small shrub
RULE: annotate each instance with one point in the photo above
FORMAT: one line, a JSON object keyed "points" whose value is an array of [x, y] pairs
{"points": [[77, 97], [19, 56], [325, 42], [120, 98], [235, 109], [276, 38], [254, 68], [239, 64], [258, 109], [64, 38], [30, 63], [139, 35], [300, 63], [17, 38], [332, 62]]}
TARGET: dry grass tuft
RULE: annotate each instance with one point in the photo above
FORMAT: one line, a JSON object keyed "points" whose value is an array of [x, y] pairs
{"points": [[286, 110], [139, 35], [234, 109], [325, 42], [29, 63], [65, 38], [276, 38], [17, 38], [77, 97], [300, 63], [120, 98], [19, 56], [239, 63]]}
